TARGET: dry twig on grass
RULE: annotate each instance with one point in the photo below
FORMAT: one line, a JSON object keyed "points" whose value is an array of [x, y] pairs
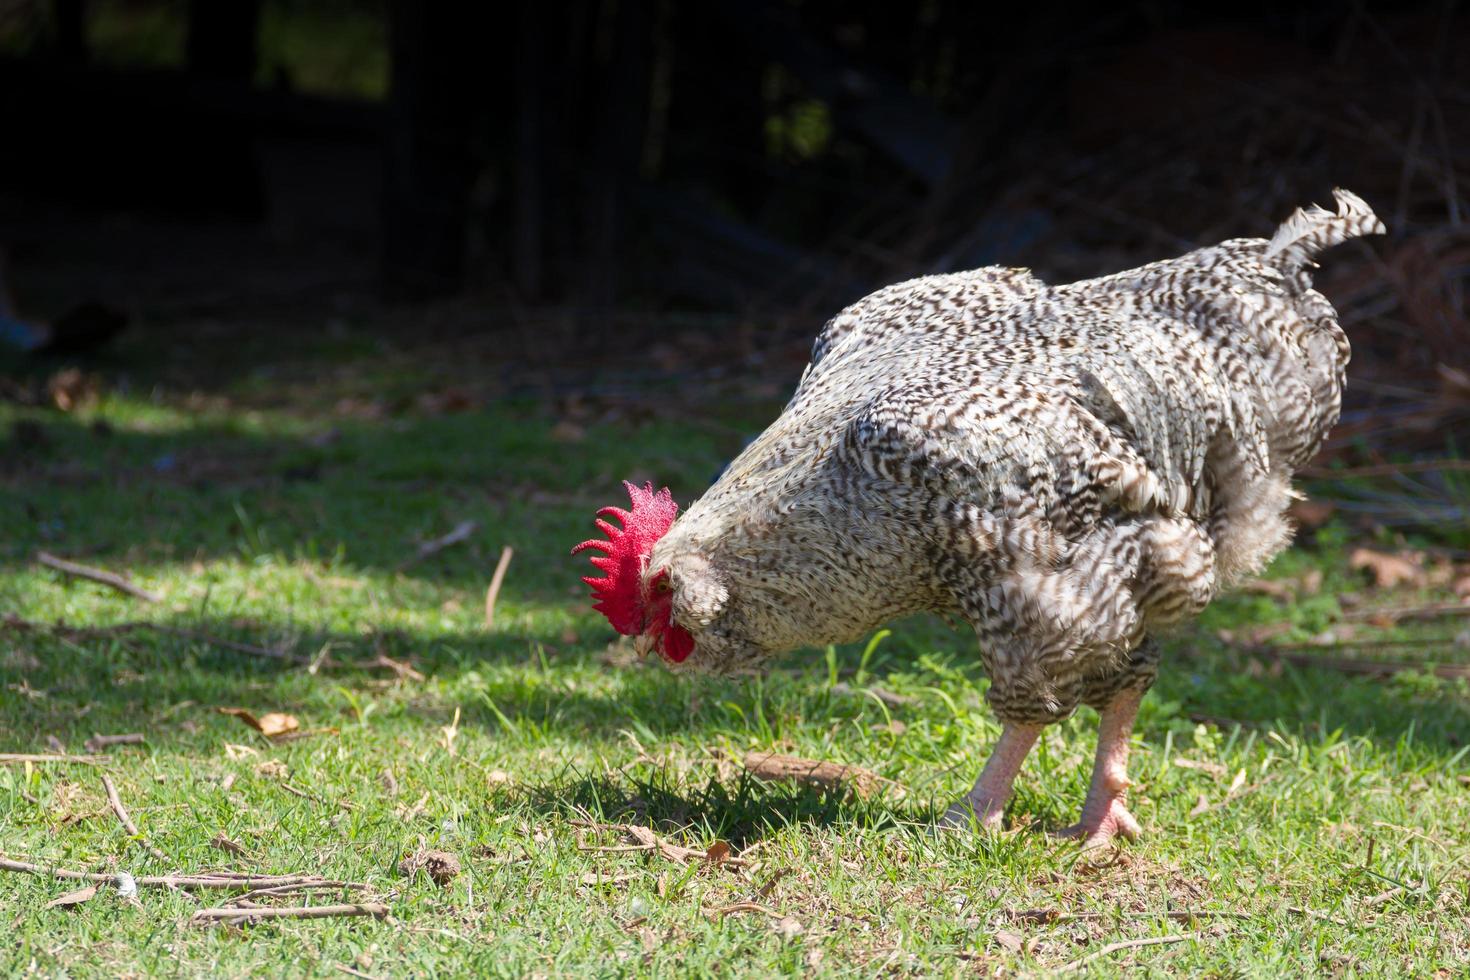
{"points": [[460, 534], [717, 854], [1057, 916], [233, 914], [20, 758], [98, 742], [207, 879], [1111, 948], [496, 580], [96, 575], [830, 776], [127, 821]]}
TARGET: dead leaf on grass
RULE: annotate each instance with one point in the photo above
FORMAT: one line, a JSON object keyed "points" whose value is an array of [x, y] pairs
{"points": [[644, 839], [272, 768], [1011, 942], [1387, 570], [594, 879], [411, 813], [271, 725], [788, 928], [233, 751], [223, 843], [441, 866], [71, 899]]}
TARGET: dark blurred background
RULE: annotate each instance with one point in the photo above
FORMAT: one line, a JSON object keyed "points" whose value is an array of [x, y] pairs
{"points": [[589, 179]]}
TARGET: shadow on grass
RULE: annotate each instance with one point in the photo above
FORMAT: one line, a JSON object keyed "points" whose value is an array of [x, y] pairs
{"points": [[741, 812], [157, 484], [72, 683]]}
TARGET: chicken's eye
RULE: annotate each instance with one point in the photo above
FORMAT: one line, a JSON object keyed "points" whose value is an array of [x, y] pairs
{"points": [[662, 586]]}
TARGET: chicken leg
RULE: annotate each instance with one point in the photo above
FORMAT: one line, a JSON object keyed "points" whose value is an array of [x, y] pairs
{"points": [[1103, 814], [986, 803]]}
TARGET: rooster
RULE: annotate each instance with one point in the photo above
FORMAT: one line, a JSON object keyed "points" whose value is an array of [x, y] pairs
{"points": [[1070, 469]]}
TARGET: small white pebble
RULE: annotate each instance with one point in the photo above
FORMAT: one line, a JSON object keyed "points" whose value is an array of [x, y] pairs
{"points": [[637, 906], [127, 887]]}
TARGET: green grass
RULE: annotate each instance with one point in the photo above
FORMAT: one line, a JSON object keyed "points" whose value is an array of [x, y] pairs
{"points": [[265, 517]]}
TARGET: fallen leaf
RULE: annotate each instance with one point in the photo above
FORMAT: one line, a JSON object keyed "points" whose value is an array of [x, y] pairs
{"points": [[273, 768], [497, 777], [413, 812], [441, 866], [223, 843], [1200, 806], [233, 751], [788, 928], [596, 878], [270, 725], [717, 852], [1388, 571], [1236, 783], [73, 898], [1011, 942]]}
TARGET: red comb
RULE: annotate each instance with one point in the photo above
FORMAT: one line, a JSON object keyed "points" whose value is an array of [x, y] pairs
{"points": [[624, 552]]}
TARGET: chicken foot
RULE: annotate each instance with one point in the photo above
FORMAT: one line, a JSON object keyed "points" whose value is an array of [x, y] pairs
{"points": [[1103, 814], [986, 803]]}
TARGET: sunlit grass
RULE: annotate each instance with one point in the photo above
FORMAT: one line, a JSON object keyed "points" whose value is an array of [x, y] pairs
{"points": [[287, 530]]}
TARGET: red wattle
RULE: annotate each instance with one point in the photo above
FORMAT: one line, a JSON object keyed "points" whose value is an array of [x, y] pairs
{"points": [[677, 644]]}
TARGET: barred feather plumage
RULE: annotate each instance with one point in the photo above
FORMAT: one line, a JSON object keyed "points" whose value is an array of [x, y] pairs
{"points": [[1071, 468]]}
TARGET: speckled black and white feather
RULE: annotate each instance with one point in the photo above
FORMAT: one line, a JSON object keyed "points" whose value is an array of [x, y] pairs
{"points": [[1068, 467]]}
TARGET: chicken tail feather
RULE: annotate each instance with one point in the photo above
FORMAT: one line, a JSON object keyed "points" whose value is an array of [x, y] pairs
{"points": [[1312, 230]]}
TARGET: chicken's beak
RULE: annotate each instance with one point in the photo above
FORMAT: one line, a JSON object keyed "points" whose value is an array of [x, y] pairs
{"points": [[643, 643]]}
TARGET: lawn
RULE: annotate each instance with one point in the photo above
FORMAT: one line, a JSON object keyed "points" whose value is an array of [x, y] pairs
{"points": [[1299, 819]]}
